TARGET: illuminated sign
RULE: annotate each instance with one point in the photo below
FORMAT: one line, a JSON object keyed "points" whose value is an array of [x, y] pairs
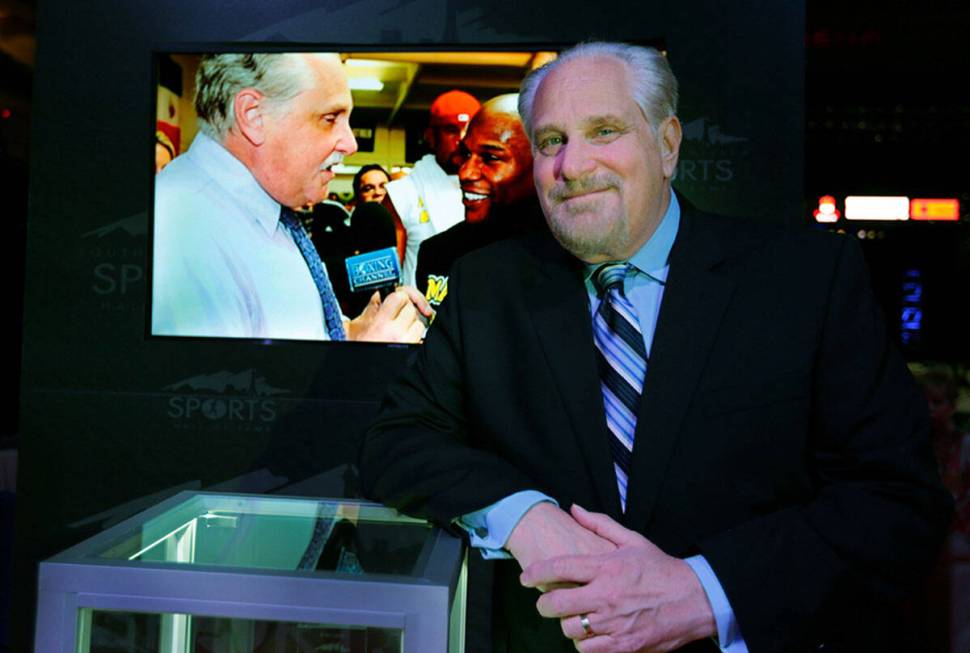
{"points": [[934, 209], [826, 211], [870, 207], [911, 315]]}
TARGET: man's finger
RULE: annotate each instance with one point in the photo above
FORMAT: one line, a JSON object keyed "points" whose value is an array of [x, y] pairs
{"points": [[568, 602], [393, 304], [373, 305], [407, 315], [604, 526], [572, 626], [415, 332], [419, 300], [564, 569], [596, 644]]}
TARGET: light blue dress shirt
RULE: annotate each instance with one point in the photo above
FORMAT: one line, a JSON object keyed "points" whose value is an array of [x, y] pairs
{"points": [[223, 263], [490, 527]]}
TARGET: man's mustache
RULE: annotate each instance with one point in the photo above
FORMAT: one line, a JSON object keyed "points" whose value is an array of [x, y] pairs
{"points": [[335, 158], [564, 190]]}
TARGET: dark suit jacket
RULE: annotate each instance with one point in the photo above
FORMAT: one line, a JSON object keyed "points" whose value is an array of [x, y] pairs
{"points": [[438, 253], [779, 435]]}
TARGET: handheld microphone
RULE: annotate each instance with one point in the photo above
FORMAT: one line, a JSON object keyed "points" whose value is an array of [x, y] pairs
{"points": [[376, 266], [372, 271]]}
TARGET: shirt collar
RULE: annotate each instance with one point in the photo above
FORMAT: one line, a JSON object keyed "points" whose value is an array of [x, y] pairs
{"points": [[651, 258], [236, 179]]}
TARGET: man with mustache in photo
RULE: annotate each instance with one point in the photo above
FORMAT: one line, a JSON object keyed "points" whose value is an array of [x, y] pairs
{"points": [[231, 257]]}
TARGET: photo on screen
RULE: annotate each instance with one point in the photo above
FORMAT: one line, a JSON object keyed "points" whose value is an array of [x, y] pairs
{"points": [[274, 217]]}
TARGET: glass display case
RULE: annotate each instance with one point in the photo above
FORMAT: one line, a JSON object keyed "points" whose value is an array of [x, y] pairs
{"points": [[224, 573]]}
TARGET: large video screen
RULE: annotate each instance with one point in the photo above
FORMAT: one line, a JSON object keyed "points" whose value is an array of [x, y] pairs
{"points": [[294, 191]]}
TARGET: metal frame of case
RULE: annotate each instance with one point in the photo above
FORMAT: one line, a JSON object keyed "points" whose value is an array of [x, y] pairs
{"points": [[429, 609]]}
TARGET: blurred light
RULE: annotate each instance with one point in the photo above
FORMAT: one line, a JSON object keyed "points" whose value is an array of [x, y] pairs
{"points": [[934, 209], [365, 84], [872, 207], [826, 211], [6, 113]]}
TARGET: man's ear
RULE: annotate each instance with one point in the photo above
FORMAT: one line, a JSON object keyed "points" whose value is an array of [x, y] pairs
{"points": [[249, 110], [670, 137]]}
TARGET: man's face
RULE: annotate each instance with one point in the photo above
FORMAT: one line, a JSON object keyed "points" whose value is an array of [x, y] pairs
{"points": [[372, 186], [306, 136], [497, 164], [601, 173], [443, 140]]}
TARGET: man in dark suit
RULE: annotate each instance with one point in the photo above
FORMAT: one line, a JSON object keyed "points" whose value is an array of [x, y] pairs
{"points": [[780, 490]]}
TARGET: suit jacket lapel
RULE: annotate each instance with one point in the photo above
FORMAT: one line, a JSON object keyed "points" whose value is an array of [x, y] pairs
{"points": [[560, 313], [693, 303]]}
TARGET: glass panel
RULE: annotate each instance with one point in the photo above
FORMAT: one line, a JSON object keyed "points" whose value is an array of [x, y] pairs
{"points": [[287, 534], [456, 616], [132, 632]]}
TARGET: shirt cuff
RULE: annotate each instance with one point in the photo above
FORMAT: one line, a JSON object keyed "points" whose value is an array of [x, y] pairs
{"points": [[729, 638], [489, 528]]}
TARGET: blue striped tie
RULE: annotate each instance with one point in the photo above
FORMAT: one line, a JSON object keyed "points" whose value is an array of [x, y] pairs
{"points": [[622, 362], [332, 318]]}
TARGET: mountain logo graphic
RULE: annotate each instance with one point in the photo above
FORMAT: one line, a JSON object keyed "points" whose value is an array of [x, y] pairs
{"points": [[135, 225], [707, 132], [245, 382]]}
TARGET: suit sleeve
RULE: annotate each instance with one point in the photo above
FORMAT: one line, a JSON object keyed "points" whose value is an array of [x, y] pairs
{"points": [[798, 577], [419, 455]]}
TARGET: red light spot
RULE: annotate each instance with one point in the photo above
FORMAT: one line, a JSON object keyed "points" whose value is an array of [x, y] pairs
{"points": [[6, 113]]}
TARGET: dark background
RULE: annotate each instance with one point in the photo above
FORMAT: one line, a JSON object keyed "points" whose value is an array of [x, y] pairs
{"points": [[780, 103], [887, 110]]}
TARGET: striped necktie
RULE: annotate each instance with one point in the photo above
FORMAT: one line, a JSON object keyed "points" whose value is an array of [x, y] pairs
{"points": [[622, 361], [332, 318]]}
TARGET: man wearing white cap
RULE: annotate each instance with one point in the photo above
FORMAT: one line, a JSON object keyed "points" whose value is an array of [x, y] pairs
{"points": [[428, 200]]}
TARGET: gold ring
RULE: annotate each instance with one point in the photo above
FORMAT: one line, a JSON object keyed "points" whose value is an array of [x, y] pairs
{"points": [[584, 622]]}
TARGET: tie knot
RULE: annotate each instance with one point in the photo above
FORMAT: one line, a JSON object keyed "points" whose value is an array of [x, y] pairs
{"points": [[289, 218], [609, 276]]}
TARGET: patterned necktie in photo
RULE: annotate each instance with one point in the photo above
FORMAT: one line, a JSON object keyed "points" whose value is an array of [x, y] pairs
{"points": [[622, 361], [332, 319]]}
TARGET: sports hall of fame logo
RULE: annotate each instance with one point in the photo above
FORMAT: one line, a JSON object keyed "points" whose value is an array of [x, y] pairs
{"points": [[116, 252], [224, 400], [709, 158]]}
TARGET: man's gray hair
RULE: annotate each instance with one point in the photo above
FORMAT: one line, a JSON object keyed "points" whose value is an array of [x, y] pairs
{"points": [[652, 82], [278, 76]]}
